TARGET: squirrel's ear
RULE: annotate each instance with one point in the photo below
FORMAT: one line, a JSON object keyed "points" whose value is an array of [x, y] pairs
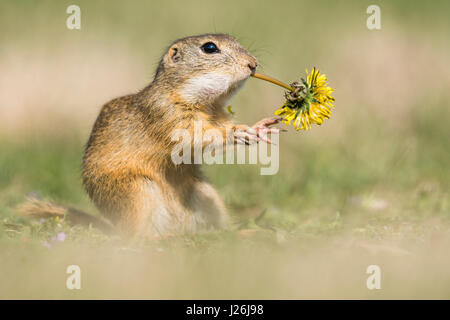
{"points": [[174, 54]]}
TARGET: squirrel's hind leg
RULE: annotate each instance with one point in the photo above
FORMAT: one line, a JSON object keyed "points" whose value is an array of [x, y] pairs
{"points": [[208, 208], [156, 214]]}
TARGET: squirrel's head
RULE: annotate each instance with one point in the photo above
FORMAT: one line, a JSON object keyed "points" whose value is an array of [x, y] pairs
{"points": [[206, 69]]}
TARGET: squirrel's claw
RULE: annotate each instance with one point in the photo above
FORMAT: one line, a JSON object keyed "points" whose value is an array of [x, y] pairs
{"points": [[258, 132], [264, 123], [245, 137]]}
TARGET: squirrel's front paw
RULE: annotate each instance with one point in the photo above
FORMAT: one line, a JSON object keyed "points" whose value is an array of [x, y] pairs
{"points": [[244, 135], [249, 135]]}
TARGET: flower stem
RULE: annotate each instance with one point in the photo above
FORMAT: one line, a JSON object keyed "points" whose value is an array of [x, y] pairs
{"points": [[273, 80]]}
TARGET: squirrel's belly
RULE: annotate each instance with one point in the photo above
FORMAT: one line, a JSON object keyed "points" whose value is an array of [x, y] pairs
{"points": [[167, 214]]}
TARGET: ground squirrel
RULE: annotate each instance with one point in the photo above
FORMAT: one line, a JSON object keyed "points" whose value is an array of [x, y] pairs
{"points": [[127, 167]]}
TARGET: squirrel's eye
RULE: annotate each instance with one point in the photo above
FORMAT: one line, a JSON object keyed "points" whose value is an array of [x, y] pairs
{"points": [[210, 47]]}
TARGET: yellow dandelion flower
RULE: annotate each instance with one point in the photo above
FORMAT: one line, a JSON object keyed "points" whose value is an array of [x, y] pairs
{"points": [[307, 103]]}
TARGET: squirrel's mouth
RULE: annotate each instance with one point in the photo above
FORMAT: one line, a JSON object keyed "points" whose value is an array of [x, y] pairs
{"points": [[241, 77]]}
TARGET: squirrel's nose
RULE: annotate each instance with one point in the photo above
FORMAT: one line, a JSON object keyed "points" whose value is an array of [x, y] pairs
{"points": [[252, 65]]}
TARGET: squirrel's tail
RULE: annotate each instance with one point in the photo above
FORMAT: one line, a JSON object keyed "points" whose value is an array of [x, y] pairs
{"points": [[34, 207]]}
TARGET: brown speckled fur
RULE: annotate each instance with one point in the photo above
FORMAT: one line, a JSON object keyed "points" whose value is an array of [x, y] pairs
{"points": [[127, 168]]}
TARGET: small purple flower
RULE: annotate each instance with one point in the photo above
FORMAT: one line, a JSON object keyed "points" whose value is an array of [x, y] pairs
{"points": [[61, 237]]}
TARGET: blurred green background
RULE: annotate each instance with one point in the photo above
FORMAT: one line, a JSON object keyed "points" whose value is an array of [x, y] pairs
{"points": [[370, 186]]}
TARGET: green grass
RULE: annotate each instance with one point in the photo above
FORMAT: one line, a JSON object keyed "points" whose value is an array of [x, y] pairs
{"points": [[327, 202]]}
